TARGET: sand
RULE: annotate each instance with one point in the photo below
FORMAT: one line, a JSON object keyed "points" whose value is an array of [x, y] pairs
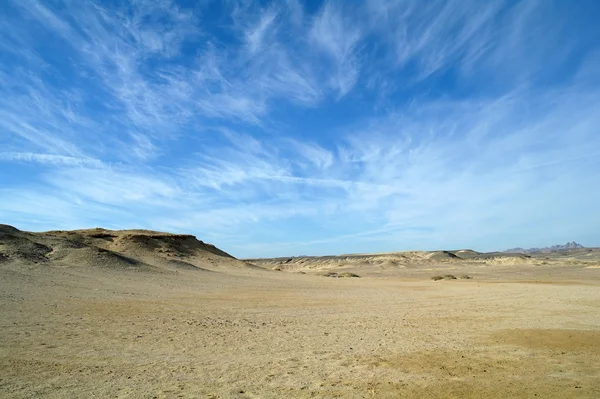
{"points": [[153, 318]]}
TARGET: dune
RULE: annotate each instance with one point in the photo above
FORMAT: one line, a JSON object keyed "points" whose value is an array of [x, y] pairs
{"points": [[390, 262]]}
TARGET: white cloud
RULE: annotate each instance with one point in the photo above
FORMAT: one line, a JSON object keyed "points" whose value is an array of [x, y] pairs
{"points": [[389, 126], [337, 36], [49, 159], [316, 155], [258, 34]]}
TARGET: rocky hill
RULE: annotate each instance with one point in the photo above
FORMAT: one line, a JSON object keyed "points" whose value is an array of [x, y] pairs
{"points": [[114, 249], [554, 248]]}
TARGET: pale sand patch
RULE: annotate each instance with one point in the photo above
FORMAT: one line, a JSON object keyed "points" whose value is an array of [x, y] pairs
{"points": [[73, 333]]}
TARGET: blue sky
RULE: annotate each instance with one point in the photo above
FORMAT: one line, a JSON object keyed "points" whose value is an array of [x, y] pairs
{"points": [[288, 128]]}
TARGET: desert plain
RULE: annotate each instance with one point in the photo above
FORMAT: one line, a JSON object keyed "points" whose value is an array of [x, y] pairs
{"points": [[140, 314]]}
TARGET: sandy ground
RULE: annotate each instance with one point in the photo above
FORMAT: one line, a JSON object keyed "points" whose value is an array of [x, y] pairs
{"points": [[527, 330]]}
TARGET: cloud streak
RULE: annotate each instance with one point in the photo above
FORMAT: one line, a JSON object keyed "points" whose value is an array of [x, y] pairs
{"points": [[284, 128]]}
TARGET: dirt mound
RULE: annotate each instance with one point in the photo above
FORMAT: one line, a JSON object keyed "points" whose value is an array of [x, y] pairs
{"points": [[465, 253], [501, 256], [390, 262], [125, 249], [341, 275], [142, 241], [168, 244], [96, 257], [8, 230], [17, 246], [442, 255]]}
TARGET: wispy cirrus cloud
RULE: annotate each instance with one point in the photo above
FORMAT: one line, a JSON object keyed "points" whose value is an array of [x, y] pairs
{"points": [[48, 159], [281, 128], [338, 36]]}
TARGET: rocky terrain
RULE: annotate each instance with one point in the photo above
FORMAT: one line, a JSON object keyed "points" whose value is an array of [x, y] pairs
{"points": [[554, 248]]}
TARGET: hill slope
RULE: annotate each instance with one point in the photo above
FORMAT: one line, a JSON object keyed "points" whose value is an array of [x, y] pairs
{"points": [[127, 249]]}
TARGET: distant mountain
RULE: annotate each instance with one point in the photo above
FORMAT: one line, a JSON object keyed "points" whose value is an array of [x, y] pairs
{"points": [[554, 248]]}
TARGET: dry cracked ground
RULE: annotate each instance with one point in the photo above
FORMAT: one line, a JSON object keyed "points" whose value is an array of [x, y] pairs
{"points": [[139, 314]]}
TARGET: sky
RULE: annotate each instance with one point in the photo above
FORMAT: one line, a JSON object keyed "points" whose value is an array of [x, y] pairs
{"points": [[304, 128]]}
